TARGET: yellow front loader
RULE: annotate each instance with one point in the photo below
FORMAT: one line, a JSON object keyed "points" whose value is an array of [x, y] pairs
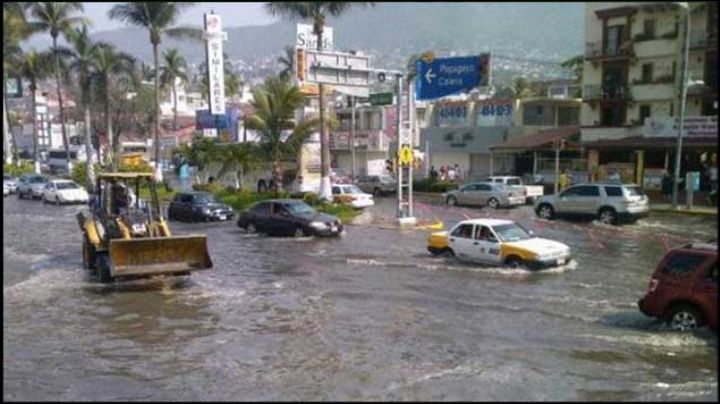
{"points": [[125, 237]]}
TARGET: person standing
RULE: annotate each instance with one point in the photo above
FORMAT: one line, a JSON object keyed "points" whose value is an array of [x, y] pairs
{"points": [[564, 180], [452, 175], [443, 173]]}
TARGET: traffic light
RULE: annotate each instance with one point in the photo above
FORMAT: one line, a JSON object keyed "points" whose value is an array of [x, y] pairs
{"points": [[300, 64]]}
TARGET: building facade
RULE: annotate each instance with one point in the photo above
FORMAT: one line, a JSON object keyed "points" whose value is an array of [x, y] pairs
{"points": [[632, 85]]}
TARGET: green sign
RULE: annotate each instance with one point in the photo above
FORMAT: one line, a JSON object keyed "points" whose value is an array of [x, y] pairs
{"points": [[381, 99]]}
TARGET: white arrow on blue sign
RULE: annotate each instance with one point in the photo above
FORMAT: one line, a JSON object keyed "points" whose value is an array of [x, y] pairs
{"points": [[447, 76]]}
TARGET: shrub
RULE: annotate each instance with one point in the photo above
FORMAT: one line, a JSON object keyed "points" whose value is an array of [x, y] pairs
{"points": [[26, 167], [242, 199], [427, 185], [215, 187], [311, 198], [344, 212]]}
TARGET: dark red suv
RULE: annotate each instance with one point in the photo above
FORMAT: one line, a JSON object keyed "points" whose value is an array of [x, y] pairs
{"points": [[683, 289]]}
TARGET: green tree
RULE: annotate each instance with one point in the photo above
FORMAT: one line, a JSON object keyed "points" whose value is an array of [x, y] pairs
{"points": [[109, 68], [275, 104], [317, 11], [81, 54], [34, 66], [158, 18], [200, 154], [243, 157], [57, 18], [521, 87], [576, 64], [174, 68], [15, 29], [286, 62]]}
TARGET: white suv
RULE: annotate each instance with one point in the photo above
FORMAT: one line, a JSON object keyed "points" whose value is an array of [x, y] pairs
{"points": [[610, 203]]}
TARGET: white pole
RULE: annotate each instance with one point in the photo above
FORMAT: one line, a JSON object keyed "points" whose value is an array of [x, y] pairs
{"points": [[678, 152], [398, 166], [411, 124], [352, 137]]}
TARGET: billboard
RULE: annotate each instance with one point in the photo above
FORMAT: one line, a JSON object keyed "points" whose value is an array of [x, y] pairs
{"points": [[225, 125], [306, 39], [13, 87], [215, 63], [694, 126]]}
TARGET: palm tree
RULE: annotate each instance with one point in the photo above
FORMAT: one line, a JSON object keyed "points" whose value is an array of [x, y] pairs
{"points": [[317, 11], [286, 63], [56, 18], [34, 66], [81, 56], [158, 18], [175, 68], [242, 156], [233, 84], [15, 29], [109, 66], [275, 104]]}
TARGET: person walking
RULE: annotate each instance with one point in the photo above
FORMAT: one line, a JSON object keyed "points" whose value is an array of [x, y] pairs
{"points": [[443, 173]]}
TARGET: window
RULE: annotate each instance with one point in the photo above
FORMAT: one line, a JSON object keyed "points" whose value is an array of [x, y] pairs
{"points": [[588, 190], [568, 116], [539, 109], [463, 231], [644, 113], [513, 181], [683, 264], [484, 187], [261, 209], [613, 191], [336, 190], [649, 28], [469, 188], [484, 233], [634, 191], [572, 191], [647, 73]]}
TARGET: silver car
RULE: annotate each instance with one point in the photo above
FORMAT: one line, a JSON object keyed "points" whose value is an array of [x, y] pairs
{"points": [[377, 184], [485, 193], [31, 186], [10, 183], [610, 203]]}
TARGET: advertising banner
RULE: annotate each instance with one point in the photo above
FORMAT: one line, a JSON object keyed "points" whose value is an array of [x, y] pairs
{"points": [[215, 63]]}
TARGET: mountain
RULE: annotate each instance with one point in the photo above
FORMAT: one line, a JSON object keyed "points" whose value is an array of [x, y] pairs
{"points": [[391, 32]]}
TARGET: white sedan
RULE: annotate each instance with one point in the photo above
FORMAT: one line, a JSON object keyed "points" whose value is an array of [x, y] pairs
{"points": [[360, 199], [64, 191]]}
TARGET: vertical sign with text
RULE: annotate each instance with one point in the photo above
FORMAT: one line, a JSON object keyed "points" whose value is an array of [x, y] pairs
{"points": [[215, 63]]}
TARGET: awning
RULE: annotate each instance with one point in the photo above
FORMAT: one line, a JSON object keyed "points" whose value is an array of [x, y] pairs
{"points": [[540, 141], [642, 142]]}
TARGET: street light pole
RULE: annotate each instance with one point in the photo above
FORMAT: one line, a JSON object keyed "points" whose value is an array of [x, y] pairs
{"points": [[352, 138], [683, 102]]}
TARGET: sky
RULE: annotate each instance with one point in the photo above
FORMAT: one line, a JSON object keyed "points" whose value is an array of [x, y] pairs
{"points": [[233, 14]]}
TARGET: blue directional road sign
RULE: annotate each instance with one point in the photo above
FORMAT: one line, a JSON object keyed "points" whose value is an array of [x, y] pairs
{"points": [[447, 76]]}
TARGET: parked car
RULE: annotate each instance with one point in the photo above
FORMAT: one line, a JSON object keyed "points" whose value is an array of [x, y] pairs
{"points": [[198, 206], [31, 186], [64, 191], [288, 217], [683, 289], [531, 192], [377, 185], [360, 199], [610, 203], [10, 183], [484, 193], [494, 241], [6, 190]]}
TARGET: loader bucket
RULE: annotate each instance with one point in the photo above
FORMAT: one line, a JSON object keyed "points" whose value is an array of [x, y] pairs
{"points": [[158, 256]]}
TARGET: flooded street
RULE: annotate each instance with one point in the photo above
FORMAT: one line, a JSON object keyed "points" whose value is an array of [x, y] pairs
{"points": [[368, 316]]}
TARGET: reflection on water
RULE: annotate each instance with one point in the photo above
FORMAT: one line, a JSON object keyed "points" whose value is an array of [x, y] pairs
{"points": [[368, 316]]}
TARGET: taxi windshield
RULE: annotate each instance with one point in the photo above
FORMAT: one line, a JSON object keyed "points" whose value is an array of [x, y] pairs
{"points": [[511, 232]]}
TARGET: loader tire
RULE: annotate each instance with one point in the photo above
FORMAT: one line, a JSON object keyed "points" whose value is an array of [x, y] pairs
{"points": [[88, 253], [103, 267]]}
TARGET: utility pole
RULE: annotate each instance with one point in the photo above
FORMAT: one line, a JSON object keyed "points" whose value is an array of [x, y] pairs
{"points": [[683, 102], [352, 138]]}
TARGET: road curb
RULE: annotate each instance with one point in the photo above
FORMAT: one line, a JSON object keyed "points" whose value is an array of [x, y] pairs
{"points": [[685, 212]]}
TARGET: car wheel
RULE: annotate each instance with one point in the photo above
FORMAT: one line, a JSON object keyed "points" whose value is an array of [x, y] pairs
{"points": [[452, 201], [251, 228], [514, 263], [546, 211], [377, 192], [88, 254], [607, 216], [447, 252], [45, 199], [20, 195], [684, 317], [57, 201], [493, 203], [299, 232]]}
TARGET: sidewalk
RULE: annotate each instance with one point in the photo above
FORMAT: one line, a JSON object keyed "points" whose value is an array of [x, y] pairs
{"points": [[682, 209]]}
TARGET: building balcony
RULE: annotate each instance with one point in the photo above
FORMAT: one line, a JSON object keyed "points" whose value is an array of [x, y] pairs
{"points": [[595, 51], [604, 93], [703, 90], [701, 40], [373, 141], [652, 92]]}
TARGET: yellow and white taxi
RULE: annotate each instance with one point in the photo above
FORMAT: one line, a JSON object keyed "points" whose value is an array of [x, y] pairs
{"points": [[498, 242]]}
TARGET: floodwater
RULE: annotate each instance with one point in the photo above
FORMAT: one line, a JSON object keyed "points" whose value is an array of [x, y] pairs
{"points": [[368, 316]]}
